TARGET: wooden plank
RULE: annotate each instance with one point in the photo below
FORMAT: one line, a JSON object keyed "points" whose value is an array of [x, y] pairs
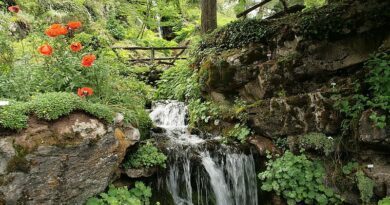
{"points": [[150, 48], [292, 9], [157, 59], [244, 13]]}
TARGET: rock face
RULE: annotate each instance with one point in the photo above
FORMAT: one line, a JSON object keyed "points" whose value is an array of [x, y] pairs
{"points": [[288, 69], [61, 162]]}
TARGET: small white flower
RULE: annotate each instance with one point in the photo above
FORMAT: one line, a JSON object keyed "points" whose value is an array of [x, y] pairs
{"points": [[4, 103], [216, 122], [370, 166], [333, 84], [330, 138]]}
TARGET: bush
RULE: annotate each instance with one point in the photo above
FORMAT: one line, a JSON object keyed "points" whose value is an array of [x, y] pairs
{"points": [[297, 179], [139, 195], [50, 106], [318, 142], [366, 187], [14, 116], [146, 156]]}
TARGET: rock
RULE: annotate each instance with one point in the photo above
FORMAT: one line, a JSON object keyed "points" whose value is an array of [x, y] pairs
{"points": [[231, 69], [294, 115], [61, 162], [380, 172], [263, 145], [142, 172], [320, 57], [369, 133]]}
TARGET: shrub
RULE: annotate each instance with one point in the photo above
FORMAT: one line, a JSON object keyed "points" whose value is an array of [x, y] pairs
{"points": [[297, 179], [51, 106], [366, 187], [318, 142], [139, 195], [14, 116], [146, 156]]}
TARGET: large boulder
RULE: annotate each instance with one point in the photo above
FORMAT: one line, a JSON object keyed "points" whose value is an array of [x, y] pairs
{"points": [[61, 162], [368, 133]]}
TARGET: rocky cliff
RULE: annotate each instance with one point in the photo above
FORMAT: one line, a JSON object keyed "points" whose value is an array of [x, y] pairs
{"points": [[61, 162], [289, 70]]}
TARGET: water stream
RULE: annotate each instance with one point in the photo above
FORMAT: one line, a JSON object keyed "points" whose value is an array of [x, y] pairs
{"points": [[201, 171]]}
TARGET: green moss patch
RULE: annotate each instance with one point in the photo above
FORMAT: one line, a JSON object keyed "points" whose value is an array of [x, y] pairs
{"points": [[51, 106]]}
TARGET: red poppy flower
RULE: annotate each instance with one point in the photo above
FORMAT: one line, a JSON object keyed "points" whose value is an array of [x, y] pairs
{"points": [[74, 25], [76, 47], [46, 50], [56, 30], [14, 9], [85, 91], [88, 60]]}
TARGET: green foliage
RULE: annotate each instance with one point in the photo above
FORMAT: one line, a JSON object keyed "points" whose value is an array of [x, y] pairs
{"points": [[349, 168], [384, 201], [178, 83], [314, 3], [50, 106], [139, 195], [318, 142], [366, 187], [297, 179], [14, 116], [377, 97], [202, 112], [239, 132], [146, 156]]}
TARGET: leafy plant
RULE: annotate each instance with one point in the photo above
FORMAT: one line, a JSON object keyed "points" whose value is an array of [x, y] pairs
{"points": [[378, 97], [146, 156], [297, 179], [384, 201], [318, 142], [239, 132], [366, 187], [349, 168], [178, 83], [139, 195]]}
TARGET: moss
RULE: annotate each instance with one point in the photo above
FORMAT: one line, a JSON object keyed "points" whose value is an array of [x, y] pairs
{"points": [[51, 106], [19, 161]]}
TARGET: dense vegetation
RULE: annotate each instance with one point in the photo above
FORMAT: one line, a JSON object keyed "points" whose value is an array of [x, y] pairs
{"points": [[57, 58]]}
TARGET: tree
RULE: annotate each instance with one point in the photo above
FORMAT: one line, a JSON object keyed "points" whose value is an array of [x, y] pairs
{"points": [[209, 15]]}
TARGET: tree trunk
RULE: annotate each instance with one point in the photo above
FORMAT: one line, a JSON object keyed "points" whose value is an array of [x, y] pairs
{"points": [[209, 15]]}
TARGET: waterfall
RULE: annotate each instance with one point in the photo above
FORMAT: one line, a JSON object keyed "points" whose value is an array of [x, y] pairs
{"points": [[196, 174]]}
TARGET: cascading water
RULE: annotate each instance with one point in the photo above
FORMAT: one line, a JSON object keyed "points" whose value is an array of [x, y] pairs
{"points": [[201, 172]]}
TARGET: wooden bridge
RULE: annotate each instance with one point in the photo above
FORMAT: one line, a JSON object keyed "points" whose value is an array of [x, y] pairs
{"points": [[153, 59]]}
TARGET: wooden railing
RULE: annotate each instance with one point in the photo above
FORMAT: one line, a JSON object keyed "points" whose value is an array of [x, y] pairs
{"points": [[286, 9], [161, 60]]}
